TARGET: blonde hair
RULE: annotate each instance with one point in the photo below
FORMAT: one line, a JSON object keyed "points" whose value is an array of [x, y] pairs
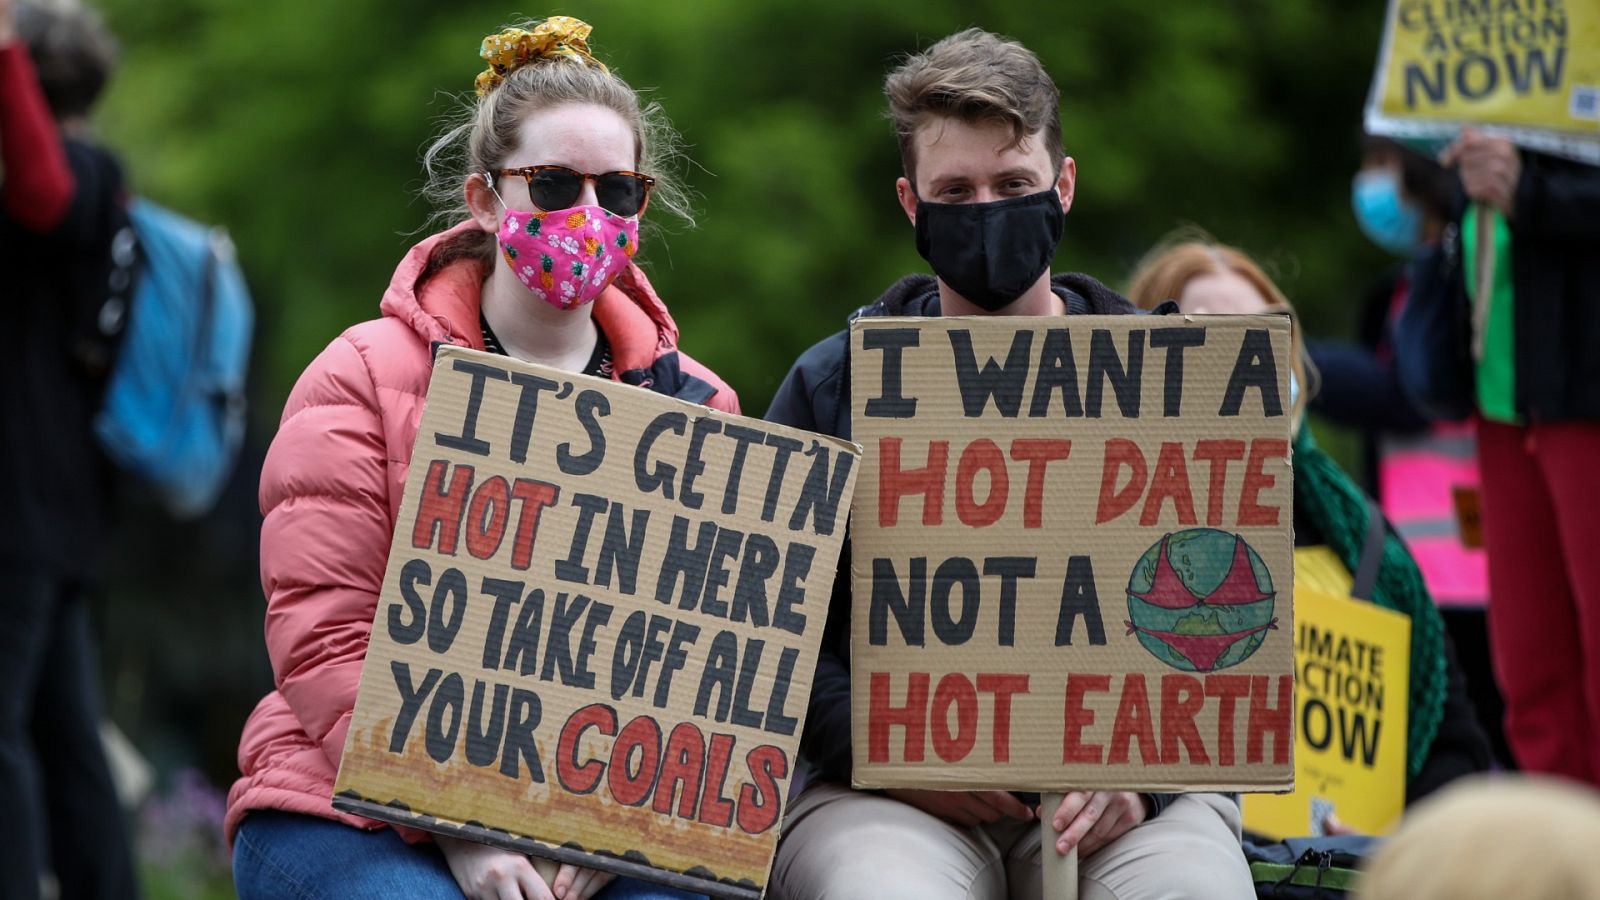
{"points": [[974, 76], [1169, 267], [483, 132], [1490, 837]]}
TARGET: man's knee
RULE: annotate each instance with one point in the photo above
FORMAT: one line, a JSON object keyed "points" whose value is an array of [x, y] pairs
{"points": [[865, 848], [884, 871], [1191, 850], [1189, 881]]}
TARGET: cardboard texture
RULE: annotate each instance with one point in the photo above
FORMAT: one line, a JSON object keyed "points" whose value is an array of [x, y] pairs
{"points": [[598, 625], [1353, 662], [1530, 71], [1071, 553]]}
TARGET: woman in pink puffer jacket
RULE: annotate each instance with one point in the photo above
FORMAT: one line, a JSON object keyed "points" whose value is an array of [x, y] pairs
{"points": [[540, 270]]}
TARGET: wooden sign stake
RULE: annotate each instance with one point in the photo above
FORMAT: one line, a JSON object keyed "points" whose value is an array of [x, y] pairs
{"points": [[1060, 871]]}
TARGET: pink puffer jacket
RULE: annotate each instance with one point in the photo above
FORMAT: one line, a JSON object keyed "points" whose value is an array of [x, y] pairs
{"points": [[330, 492]]}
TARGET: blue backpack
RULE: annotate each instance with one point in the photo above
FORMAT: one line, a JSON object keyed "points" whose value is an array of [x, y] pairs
{"points": [[173, 412]]}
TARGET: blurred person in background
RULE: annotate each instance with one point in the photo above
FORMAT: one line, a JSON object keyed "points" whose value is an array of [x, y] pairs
{"points": [[1402, 201], [1332, 516], [1519, 353], [58, 195], [544, 185], [1424, 473], [1489, 838]]}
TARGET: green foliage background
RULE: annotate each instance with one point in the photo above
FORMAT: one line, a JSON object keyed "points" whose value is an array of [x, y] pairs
{"points": [[299, 124]]}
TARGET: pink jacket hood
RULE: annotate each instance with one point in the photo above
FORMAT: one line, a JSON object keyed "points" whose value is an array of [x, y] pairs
{"points": [[330, 493], [634, 319]]}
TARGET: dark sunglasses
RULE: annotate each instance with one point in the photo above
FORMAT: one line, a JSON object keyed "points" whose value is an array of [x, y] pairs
{"points": [[558, 187]]}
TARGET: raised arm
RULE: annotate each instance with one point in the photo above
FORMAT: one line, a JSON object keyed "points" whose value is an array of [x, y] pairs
{"points": [[38, 186]]}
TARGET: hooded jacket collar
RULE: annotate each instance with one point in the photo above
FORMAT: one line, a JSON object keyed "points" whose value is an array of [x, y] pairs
{"points": [[918, 295]]}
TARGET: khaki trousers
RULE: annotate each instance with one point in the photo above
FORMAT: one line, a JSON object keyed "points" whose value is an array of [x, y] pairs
{"points": [[843, 844]]}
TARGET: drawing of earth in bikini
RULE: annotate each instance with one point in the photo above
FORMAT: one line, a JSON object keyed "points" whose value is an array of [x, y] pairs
{"points": [[1201, 600]]}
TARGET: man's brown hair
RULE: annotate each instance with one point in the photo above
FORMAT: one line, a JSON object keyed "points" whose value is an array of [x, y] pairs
{"points": [[974, 76]]}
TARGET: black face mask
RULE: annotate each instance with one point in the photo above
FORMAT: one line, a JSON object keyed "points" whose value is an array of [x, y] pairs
{"points": [[990, 253]]}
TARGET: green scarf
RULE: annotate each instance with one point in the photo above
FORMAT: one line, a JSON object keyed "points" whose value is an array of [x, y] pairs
{"points": [[1338, 508], [1497, 367]]}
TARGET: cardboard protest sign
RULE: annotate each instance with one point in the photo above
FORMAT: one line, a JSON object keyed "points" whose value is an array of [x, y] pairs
{"points": [[1528, 69], [1071, 553], [1352, 662], [598, 625]]}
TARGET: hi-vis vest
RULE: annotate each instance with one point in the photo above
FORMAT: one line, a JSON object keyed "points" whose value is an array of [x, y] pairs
{"points": [[1417, 480]]}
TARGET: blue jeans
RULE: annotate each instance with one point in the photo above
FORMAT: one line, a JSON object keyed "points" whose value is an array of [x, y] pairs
{"points": [[277, 854]]}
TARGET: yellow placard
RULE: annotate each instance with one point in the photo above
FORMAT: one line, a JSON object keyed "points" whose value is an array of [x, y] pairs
{"points": [[1527, 68], [1352, 675]]}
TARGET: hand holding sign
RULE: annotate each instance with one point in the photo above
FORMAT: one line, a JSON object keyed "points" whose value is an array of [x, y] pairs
{"points": [[1089, 820], [579, 882], [1333, 825], [489, 873], [1489, 167]]}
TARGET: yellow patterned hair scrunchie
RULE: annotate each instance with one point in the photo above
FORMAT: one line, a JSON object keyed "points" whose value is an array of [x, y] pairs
{"points": [[557, 36]]}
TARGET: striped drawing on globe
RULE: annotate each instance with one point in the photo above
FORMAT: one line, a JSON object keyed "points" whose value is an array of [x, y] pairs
{"points": [[1201, 600]]}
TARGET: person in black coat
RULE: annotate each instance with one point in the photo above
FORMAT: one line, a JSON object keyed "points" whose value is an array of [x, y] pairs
{"points": [[1424, 473], [56, 203]]}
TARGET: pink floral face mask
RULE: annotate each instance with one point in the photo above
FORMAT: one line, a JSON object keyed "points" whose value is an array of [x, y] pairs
{"points": [[567, 257]]}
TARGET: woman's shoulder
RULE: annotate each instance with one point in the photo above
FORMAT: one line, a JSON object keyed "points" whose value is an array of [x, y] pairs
{"points": [[378, 353], [382, 336], [725, 399], [390, 348], [360, 397]]}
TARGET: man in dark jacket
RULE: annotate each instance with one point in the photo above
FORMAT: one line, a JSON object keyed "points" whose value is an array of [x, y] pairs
{"points": [[1523, 358], [986, 187]]}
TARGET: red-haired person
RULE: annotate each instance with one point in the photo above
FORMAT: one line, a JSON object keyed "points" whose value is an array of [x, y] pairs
{"points": [[1334, 520]]}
